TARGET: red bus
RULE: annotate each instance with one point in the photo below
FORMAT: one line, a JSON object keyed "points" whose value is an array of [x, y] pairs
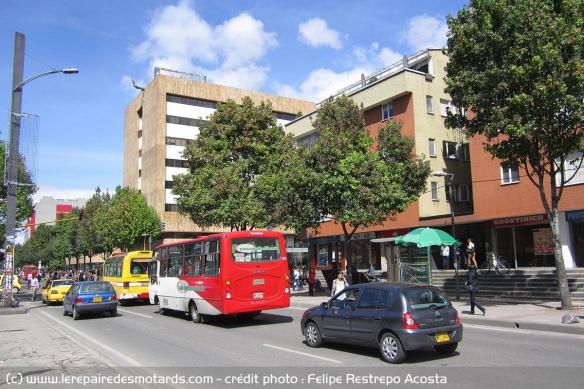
{"points": [[240, 272]]}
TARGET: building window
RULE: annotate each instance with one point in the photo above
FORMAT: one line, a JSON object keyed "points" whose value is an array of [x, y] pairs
{"points": [[446, 106], [509, 173], [177, 141], [432, 147], [140, 134], [434, 186], [464, 152], [168, 184], [449, 150], [573, 169], [463, 193], [175, 163], [387, 111], [429, 104], [191, 101]]}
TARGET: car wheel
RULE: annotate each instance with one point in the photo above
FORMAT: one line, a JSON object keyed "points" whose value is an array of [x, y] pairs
{"points": [[312, 334], [195, 315], [65, 313], [446, 348], [114, 312], [15, 290], [391, 348], [76, 314]]}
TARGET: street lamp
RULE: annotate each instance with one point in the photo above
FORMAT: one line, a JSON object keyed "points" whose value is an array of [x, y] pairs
{"points": [[13, 156], [450, 194]]}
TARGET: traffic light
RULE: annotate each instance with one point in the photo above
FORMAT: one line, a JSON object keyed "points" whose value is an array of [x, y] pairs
{"points": [[162, 226], [80, 214]]}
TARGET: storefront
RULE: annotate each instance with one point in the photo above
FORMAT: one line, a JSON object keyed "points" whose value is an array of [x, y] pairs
{"points": [[524, 241]]}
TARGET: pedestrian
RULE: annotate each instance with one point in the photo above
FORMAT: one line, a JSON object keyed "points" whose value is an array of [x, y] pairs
{"points": [[371, 272], [472, 286], [339, 284], [34, 284], [445, 253], [460, 258], [311, 280], [296, 279], [470, 252], [28, 280]]}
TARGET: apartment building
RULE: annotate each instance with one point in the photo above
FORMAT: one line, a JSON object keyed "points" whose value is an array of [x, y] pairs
{"points": [[159, 123], [494, 204]]}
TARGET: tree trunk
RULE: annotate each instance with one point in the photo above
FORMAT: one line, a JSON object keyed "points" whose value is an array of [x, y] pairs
{"points": [[565, 298]]}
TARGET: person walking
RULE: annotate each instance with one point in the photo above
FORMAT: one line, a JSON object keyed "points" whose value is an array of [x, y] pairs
{"points": [[339, 284], [445, 253], [472, 285], [470, 251], [371, 272], [34, 284], [311, 280]]}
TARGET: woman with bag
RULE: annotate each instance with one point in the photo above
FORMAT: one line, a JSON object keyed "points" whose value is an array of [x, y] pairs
{"points": [[470, 251], [472, 286]]}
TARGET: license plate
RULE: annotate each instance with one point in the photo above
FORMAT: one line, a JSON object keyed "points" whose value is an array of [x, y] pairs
{"points": [[97, 299], [259, 281], [258, 295], [442, 337]]}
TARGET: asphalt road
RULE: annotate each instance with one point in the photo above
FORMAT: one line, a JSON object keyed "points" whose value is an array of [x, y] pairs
{"points": [[143, 340]]}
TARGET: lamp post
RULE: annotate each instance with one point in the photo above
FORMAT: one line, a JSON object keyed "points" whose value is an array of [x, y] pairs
{"points": [[14, 153], [450, 194]]}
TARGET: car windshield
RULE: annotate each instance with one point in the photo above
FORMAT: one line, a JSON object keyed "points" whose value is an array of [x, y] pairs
{"points": [[425, 298]]}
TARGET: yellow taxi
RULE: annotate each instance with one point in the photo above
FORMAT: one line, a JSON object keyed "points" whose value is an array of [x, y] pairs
{"points": [[55, 290], [16, 286]]}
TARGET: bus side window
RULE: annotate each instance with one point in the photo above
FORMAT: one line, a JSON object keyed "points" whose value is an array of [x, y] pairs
{"points": [[212, 258]]}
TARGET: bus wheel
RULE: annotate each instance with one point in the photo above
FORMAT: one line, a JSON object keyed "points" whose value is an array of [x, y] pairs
{"points": [[195, 315]]}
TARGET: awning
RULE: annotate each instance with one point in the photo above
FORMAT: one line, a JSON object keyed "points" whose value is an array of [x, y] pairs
{"points": [[383, 240]]}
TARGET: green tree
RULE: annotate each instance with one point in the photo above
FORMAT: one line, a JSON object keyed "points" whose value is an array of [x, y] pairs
{"points": [[235, 165], [518, 65], [357, 183], [123, 220], [88, 239], [24, 193]]}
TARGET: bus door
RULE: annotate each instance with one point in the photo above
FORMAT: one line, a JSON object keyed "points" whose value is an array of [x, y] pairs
{"points": [[153, 280]]}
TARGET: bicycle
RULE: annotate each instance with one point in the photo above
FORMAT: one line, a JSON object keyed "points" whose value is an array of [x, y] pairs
{"points": [[502, 267]]}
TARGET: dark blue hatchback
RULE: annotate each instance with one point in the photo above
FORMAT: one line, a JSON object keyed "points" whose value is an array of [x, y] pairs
{"points": [[90, 297], [395, 318]]}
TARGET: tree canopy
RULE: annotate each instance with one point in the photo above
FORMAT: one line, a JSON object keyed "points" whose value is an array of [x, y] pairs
{"points": [[361, 181], [235, 165], [518, 66], [24, 192]]}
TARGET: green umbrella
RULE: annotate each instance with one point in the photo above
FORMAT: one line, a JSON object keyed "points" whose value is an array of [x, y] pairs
{"points": [[424, 237]]}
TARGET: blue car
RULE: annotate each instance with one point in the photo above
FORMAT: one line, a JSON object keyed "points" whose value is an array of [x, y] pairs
{"points": [[90, 297]]}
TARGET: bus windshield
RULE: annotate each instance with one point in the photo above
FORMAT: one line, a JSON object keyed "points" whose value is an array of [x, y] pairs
{"points": [[255, 249]]}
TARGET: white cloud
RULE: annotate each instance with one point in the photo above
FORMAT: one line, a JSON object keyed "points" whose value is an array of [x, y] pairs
{"points": [[178, 38], [322, 83], [426, 31], [315, 32]]}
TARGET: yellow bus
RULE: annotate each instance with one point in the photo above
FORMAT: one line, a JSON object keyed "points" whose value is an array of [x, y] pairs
{"points": [[128, 273]]}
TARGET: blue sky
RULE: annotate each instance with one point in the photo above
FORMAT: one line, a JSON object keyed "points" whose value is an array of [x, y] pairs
{"points": [[303, 49]]}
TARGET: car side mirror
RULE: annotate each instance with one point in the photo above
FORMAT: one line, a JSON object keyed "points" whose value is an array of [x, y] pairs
{"points": [[324, 305]]}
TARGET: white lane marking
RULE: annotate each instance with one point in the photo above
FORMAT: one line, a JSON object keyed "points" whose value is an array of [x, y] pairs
{"points": [[135, 313], [122, 357], [498, 329], [301, 353]]}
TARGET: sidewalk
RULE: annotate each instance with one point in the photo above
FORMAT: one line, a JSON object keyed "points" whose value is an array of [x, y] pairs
{"points": [[536, 315]]}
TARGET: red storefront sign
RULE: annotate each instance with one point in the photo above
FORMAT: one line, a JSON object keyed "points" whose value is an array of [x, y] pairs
{"points": [[519, 220]]}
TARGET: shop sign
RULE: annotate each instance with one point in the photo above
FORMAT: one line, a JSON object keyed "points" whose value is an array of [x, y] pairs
{"points": [[394, 233], [575, 216], [519, 220]]}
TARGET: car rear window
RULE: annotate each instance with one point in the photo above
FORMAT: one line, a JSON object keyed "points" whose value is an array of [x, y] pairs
{"points": [[425, 298], [96, 287]]}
